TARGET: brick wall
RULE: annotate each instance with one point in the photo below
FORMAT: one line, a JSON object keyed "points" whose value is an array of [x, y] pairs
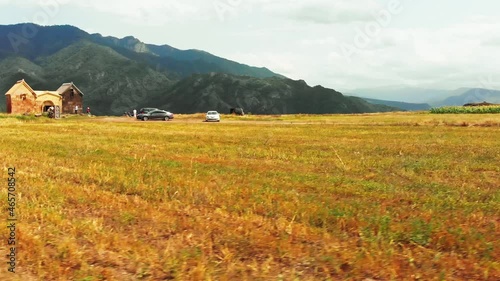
{"points": [[70, 101]]}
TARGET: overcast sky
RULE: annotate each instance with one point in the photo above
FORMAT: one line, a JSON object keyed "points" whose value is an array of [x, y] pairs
{"points": [[340, 44]]}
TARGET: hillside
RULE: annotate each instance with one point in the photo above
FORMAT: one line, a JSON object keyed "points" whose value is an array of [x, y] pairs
{"points": [[221, 92], [13, 69], [42, 41], [192, 61], [49, 40], [112, 83]]}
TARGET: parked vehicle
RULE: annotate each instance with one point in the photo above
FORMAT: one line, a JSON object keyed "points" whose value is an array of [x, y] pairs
{"points": [[155, 114], [237, 111], [212, 116], [146, 110]]}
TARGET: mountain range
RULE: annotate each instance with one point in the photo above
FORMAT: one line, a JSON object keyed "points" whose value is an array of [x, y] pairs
{"points": [[272, 95], [413, 98], [120, 74], [407, 106], [474, 95], [117, 75], [401, 94]]}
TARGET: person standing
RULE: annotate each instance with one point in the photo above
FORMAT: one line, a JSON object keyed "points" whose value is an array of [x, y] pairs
{"points": [[76, 109], [88, 110], [135, 113], [51, 112]]}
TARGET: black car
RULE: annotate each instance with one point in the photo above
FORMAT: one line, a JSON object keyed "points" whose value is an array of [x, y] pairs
{"points": [[155, 114]]}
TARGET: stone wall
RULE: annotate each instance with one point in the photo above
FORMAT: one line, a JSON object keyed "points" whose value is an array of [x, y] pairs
{"points": [[21, 104]]}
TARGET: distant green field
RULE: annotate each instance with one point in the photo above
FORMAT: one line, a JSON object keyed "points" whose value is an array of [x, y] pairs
{"points": [[467, 110], [336, 197]]}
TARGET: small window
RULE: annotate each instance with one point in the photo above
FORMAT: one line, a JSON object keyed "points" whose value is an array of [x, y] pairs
{"points": [[23, 97], [72, 93]]}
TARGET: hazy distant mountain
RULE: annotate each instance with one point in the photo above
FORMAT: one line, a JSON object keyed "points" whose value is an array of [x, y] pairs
{"points": [[426, 97], [402, 105], [403, 94], [117, 75], [221, 92], [476, 95]]}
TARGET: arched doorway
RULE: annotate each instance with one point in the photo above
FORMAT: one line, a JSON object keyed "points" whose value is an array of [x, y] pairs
{"points": [[46, 105]]}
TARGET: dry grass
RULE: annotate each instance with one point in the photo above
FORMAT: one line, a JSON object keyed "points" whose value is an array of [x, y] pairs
{"points": [[382, 197]]}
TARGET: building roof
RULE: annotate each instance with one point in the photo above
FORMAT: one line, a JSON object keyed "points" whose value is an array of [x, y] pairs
{"points": [[52, 93], [64, 87], [19, 84]]}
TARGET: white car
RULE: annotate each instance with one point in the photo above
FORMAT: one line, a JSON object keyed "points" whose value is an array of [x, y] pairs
{"points": [[212, 116]]}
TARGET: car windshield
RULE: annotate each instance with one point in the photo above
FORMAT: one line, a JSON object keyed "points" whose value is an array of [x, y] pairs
{"points": [[212, 113]]}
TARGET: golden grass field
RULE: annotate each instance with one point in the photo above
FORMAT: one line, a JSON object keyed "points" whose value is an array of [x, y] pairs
{"points": [[400, 196]]}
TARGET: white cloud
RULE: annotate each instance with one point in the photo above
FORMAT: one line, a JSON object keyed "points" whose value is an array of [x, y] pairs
{"points": [[491, 42], [301, 38], [319, 41], [323, 11], [448, 57], [328, 12], [456, 45], [285, 63], [156, 11], [138, 12]]}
